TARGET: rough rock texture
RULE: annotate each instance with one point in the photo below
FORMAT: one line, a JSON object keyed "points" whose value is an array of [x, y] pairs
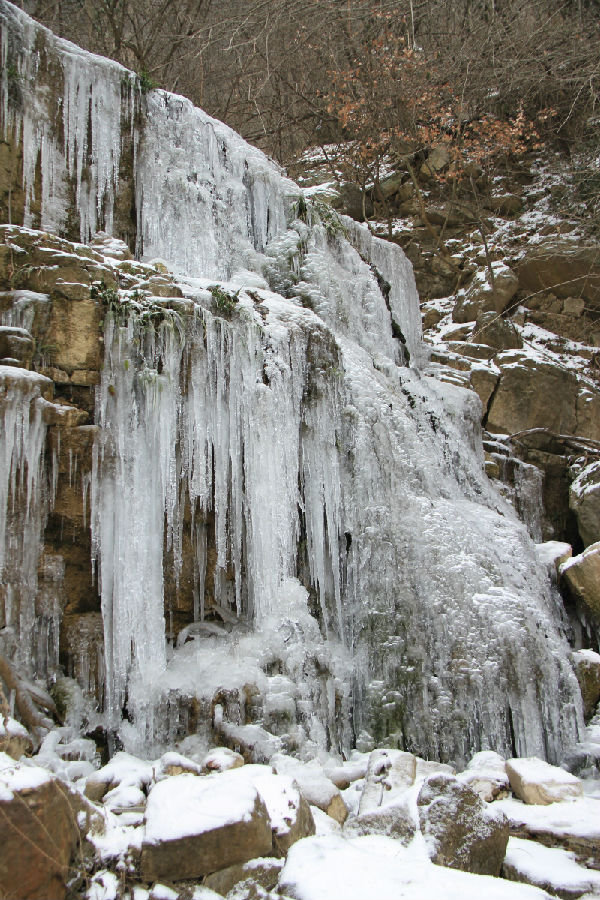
{"points": [[482, 296], [587, 669], [550, 868], [534, 781], [394, 819], [460, 830], [263, 872], [532, 394], [388, 772], [318, 790], [584, 500], [486, 775], [581, 576], [38, 835], [195, 826], [564, 268]]}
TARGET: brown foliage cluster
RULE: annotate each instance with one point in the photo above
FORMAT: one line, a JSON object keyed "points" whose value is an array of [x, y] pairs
{"points": [[291, 73]]}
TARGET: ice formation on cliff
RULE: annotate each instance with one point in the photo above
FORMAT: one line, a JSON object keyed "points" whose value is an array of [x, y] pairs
{"points": [[291, 421]]}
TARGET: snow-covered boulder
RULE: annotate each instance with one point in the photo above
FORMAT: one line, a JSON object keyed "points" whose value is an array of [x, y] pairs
{"points": [[587, 669], [315, 786], [195, 826], [581, 577], [486, 775], [395, 819], [550, 868], [534, 781], [123, 769], [263, 872], [39, 833], [14, 738], [378, 867], [389, 772], [221, 759], [460, 830]]}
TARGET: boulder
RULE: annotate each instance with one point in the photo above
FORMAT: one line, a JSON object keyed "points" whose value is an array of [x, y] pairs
{"points": [[532, 394], [15, 740], [123, 769], [483, 380], [505, 204], [38, 832], [486, 775], [534, 781], [460, 830], [350, 202], [581, 577], [395, 819], [287, 808], [316, 787], [564, 267], [584, 500], [496, 332], [263, 872], [437, 160], [388, 772], [587, 670], [481, 296], [195, 826], [221, 759], [550, 868]]}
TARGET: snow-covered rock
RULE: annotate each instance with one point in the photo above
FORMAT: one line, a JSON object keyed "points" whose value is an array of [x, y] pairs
{"points": [[460, 830], [587, 669], [535, 781], [123, 769], [379, 867], [389, 772], [486, 775], [572, 824], [315, 786], [195, 826], [221, 759], [262, 872], [550, 868]]}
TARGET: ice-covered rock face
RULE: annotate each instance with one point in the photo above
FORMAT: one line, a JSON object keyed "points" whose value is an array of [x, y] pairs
{"points": [[276, 426]]}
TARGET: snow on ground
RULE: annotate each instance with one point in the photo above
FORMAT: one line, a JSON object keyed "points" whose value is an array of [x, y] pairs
{"points": [[379, 867], [549, 867]]}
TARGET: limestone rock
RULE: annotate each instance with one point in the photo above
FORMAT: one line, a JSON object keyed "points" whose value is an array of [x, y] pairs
{"points": [[564, 267], [534, 781], [486, 775], [497, 332], [481, 296], [532, 394], [263, 872], [350, 202], [221, 759], [483, 381], [587, 669], [14, 738], [584, 500], [388, 772], [460, 830], [195, 826], [318, 790], [38, 832], [581, 576], [394, 819]]}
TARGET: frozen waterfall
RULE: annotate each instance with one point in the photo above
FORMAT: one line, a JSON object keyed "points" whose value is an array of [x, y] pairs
{"points": [[329, 497]]}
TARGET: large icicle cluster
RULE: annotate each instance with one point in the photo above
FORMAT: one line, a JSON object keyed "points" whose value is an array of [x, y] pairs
{"points": [[339, 494]]}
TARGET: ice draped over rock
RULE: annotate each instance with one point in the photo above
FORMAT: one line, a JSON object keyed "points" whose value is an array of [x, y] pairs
{"points": [[291, 427]]}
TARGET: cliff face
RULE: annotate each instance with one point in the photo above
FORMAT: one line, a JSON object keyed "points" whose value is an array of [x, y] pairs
{"points": [[228, 495]]}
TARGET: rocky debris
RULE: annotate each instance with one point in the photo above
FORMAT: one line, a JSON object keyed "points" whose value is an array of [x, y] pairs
{"points": [[172, 763], [551, 869], [221, 759], [388, 772], [15, 740], [584, 500], [353, 202], [580, 575], [497, 332], [572, 824], [534, 781], [263, 872], [316, 787], [39, 833], [330, 866], [566, 268], [587, 669], [461, 832], [254, 743], [123, 769], [486, 775], [482, 296], [395, 819], [195, 826], [350, 771]]}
